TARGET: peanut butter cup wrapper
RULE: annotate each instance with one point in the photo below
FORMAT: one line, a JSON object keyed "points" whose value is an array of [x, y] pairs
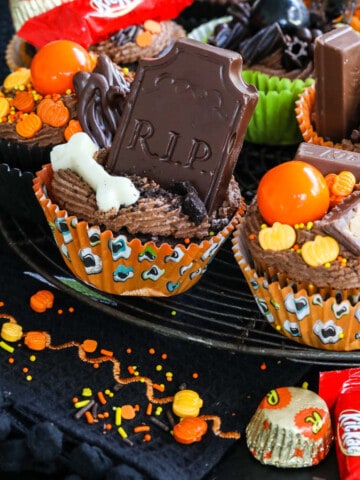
{"points": [[291, 428], [304, 108], [323, 318], [118, 265]]}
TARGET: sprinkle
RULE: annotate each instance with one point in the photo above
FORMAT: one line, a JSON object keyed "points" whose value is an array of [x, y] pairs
{"points": [[128, 442], [195, 375], [305, 385], [128, 412], [158, 387], [60, 311], [86, 392], [170, 417], [118, 416], [149, 409], [263, 366], [159, 368], [106, 353], [122, 432], [84, 409], [108, 426], [164, 356], [32, 358], [25, 369], [141, 428], [129, 350], [96, 365], [158, 410], [89, 418], [160, 424], [29, 378], [152, 351], [252, 236], [71, 309], [101, 398], [11, 360], [6, 346], [81, 403], [309, 225], [147, 437], [327, 265]]}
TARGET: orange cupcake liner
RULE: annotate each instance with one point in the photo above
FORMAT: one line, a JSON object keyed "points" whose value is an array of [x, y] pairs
{"points": [[117, 265], [303, 111], [318, 319]]}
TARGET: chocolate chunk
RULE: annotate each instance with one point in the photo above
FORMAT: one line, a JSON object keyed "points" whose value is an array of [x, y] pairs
{"points": [[185, 119], [337, 67], [343, 223], [328, 159]]}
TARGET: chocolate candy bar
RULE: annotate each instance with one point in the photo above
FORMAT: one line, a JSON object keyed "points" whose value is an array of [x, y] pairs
{"points": [[328, 159], [185, 120], [337, 76]]}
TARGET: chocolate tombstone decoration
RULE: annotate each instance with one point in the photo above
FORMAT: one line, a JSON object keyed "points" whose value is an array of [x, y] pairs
{"points": [[329, 159], [185, 120], [337, 77]]}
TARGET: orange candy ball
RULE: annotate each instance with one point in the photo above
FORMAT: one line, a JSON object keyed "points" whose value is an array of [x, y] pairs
{"points": [[293, 192], [54, 65]]}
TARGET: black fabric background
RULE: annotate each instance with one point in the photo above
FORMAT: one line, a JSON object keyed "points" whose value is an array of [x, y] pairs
{"points": [[230, 385]]}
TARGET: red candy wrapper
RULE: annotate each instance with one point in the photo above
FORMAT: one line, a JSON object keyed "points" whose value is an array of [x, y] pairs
{"points": [[90, 21], [341, 391]]}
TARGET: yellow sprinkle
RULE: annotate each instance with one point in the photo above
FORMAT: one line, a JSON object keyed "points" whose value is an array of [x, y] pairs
{"points": [[159, 368], [278, 327], [81, 403], [169, 374], [136, 374], [158, 411], [305, 385], [86, 392], [32, 358], [341, 335], [122, 432], [28, 378], [309, 225], [173, 313], [6, 347], [327, 265], [125, 70], [118, 416], [264, 226]]}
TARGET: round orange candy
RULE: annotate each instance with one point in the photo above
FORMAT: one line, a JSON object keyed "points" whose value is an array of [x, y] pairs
{"points": [[55, 64], [293, 192]]}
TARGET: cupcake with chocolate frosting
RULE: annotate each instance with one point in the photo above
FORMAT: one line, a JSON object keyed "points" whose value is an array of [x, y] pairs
{"points": [[298, 248], [145, 215]]}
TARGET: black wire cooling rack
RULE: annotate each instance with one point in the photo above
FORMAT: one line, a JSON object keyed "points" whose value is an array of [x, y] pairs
{"points": [[218, 312]]}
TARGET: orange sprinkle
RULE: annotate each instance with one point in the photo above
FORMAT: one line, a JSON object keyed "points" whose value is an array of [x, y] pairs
{"points": [[263, 366], [72, 128], [101, 398], [41, 301], [75, 399], [106, 353], [128, 412], [106, 414], [137, 407], [28, 125], [71, 309], [54, 113], [151, 351], [141, 428], [108, 426], [24, 101], [2, 304], [143, 39], [186, 240], [147, 437], [60, 311], [195, 375], [252, 236], [89, 417], [11, 360], [25, 369], [129, 350], [152, 26], [96, 365], [149, 409], [131, 369], [89, 346], [158, 387], [164, 356]]}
